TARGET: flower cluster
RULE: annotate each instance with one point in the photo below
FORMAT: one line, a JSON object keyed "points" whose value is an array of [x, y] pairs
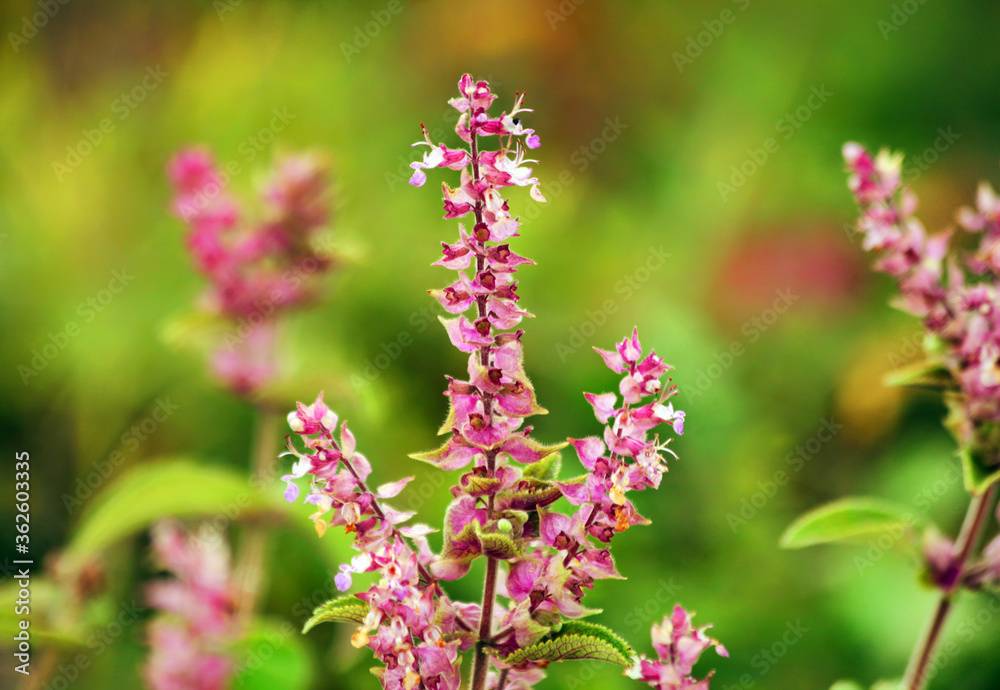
{"points": [[678, 645], [256, 271], [197, 622], [407, 617], [957, 296], [561, 562], [539, 562]]}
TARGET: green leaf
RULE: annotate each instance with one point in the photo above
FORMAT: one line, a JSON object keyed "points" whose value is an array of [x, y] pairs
{"points": [[272, 656], [575, 640], [546, 469], [499, 545], [979, 473], [528, 494], [176, 487], [846, 685], [888, 684], [340, 610], [847, 518], [926, 374]]}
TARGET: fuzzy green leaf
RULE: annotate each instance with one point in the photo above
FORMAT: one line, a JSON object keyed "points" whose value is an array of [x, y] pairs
{"points": [[528, 494], [499, 545], [847, 518], [546, 469], [979, 473], [576, 640], [340, 610]]}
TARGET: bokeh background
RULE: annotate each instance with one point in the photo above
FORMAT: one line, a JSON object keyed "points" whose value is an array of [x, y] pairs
{"points": [[644, 109]]}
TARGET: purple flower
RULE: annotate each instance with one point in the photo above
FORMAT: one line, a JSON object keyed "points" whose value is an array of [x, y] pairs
{"points": [[196, 621], [678, 646], [256, 271]]}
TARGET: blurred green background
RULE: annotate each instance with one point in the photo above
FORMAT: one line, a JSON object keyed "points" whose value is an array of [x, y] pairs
{"points": [[644, 109]]}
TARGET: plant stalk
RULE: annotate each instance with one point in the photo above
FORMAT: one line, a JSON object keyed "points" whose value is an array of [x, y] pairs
{"points": [[916, 677], [249, 576]]}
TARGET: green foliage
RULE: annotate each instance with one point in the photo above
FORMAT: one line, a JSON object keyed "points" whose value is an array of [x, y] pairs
{"points": [[175, 487], [846, 518], [576, 640], [272, 656], [340, 610], [499, 545], [926, 374], [546, 469], [528, 494], [979, 473]]}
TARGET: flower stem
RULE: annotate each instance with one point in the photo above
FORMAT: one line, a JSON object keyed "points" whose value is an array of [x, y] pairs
{"points": [[380, 514], [480, 664], [250, 563], [916, 677]]}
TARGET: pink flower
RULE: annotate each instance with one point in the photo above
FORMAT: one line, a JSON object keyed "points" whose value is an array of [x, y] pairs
{"points": [[190, 637], [256, 271], [678, 646], [959, 307]]}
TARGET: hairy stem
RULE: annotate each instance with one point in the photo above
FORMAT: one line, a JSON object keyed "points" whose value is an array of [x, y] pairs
{"points": [[480, 664], [250, 562], [380, 514], [916, 673]]}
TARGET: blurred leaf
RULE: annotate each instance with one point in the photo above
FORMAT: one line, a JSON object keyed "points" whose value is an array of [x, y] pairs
{"points": [[925, 374], [194, 331], [846, 518], [576, 640], [175, 487], [272, 656], [846, 685], [979, 475], [41, 630], [340, 610]]}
